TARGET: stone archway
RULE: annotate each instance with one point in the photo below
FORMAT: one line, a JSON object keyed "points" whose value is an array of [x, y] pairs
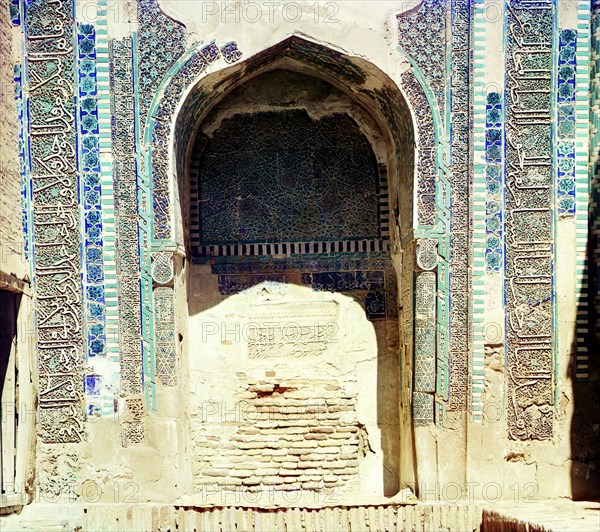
{"points": [[366, 86]]}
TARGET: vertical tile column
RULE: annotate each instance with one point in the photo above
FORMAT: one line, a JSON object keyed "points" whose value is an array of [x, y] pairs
{"points": [[594, 259], [424, 386], [478, 207], [460, 295], [128, 273], [109, 233], [88, 167], [582, 183]]}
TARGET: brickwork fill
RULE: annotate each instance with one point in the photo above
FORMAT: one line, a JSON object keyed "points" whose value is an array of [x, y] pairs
{"points": [[285, 435], [10, 199]]}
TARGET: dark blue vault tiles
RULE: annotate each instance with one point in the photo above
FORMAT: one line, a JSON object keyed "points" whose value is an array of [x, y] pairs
{"points": [[283, 183]]}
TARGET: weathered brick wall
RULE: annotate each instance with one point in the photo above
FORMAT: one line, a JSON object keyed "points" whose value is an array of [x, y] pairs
{"points": [[291, 390], [289, 434], [10, 199]]}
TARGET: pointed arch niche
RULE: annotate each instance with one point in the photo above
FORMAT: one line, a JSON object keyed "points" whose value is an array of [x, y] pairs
{"points": [[290, 260]]}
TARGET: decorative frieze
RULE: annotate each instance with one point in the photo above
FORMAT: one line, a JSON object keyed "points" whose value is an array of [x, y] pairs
{"points": [[56, 233], [529, 223], [369, 277], [128, 267]]}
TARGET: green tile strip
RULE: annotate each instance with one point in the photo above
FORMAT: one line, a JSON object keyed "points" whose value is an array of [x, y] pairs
{"points": [[112, 367], [478, 206], [582, 185]]}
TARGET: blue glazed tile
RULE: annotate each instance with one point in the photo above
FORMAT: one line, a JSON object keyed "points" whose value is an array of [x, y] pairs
{"points": [[371, 275], [375, 305], [88, 144], [494, 149], [92, 385], [565, 129], [15, 12], [231, 52], [210, 52]]}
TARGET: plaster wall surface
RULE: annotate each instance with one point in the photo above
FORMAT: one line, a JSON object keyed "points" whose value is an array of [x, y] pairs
{"points": [[347, 26], [284, 391], [11, 231]]}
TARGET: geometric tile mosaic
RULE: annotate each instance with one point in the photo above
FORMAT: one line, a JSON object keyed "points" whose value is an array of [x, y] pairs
{"points": [[567, 68], [494, 182], [422, 408], [15, 12], [425, 352], [88, 140], [164, 309], [272, 178], [429, 52], [161, 43]]}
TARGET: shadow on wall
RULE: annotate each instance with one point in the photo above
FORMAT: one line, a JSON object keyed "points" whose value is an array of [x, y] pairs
{"points": [[585, 422], [291, 390], [9, 310]]}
